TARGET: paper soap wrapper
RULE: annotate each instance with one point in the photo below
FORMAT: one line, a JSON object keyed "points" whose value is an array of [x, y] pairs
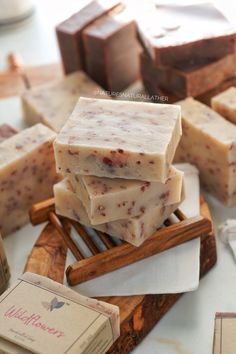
{"points": [[39, 315]]}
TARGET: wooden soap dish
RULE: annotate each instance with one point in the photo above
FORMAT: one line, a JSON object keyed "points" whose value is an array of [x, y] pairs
{"points": [[115, 256], [138, 313]]}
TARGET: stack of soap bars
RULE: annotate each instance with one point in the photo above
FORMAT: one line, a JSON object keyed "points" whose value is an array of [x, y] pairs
{"points": [[116, 159], [187, 51]]}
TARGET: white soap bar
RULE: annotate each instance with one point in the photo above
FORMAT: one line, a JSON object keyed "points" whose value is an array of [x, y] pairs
{"points": [[109, 199], [47, 315], [108, 138], [27, 174], [225, 104], [209, 142], [43, 104], [133, 230]]}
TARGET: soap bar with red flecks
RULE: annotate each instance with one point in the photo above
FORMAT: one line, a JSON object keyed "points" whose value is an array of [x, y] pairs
{"points": [[27, 174], [43, 104], [69, 32], [225, 104], [209, 142], [108, 138], [6, 131], [108, 199], [134, 230]]}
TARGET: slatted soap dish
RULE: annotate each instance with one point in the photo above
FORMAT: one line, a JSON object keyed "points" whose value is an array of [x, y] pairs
{"points": [[115, 256]]}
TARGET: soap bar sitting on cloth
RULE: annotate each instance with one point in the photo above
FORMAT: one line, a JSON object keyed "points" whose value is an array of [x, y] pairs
{"points": [[47, 315], [43, 104], [133, 230], [108, 138], [27, 174], [225, 104], [209, 142], [108, 199], [224, 333]]}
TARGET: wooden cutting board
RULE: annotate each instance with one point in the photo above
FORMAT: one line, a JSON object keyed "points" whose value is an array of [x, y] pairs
{"points": [[139, 314]]}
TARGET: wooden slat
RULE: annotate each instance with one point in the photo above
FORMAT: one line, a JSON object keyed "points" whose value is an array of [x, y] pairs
{"points": [[125, 254], [39, 212], [85, 237], [105, 239], [66, 236]]}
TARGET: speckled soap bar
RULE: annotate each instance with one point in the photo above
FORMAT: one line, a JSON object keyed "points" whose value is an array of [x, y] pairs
{"points": [[43, 104], [108, 199], [108, 138], [133, 230], [209, 142], [27, 174], [225, 104], [6, 131]]}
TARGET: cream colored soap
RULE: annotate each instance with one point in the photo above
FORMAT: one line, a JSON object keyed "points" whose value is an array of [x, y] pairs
{"points": [[52, 104], [106, 138], [225, 104], [108, 199], [27, 174], [133, 230], [209, 142]]}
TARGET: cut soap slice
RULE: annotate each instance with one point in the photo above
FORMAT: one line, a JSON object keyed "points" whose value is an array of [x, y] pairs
{"points": [[133, 230], [225, 104], [108, 199], [107, 138], [27, 174], [209, 142], [43, 104]]}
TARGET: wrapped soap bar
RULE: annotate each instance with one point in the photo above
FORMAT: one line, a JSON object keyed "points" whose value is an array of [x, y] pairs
{"points": [[134, 230], [108, 199], [6, 131], [27, 174], [47, 315], [225, 104], [209, 142], [111, 51], [43, 104], [224, 333], [196, 34], [191, 80], [138, 140], [69, 32]]}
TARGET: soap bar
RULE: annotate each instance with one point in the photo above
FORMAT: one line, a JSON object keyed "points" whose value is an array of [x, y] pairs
{"points": [[27, 174], [134, 230], [47, 315], [225, 104], [195, 34], [108, 138], [192, 80], [111, 51], [108, 199], [69, 32], [6, 131], [44, 104], [224, 333], [209, 142]]}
